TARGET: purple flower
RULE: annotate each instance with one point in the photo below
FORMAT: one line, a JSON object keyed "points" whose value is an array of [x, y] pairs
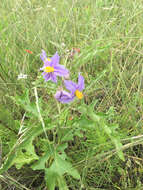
{"points": [[52, 68], [74, 88], [75, 91], [63, 96]]}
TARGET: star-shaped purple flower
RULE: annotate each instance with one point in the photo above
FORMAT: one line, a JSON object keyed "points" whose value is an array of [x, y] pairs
{"points": [[52, 68], [75, 91]]}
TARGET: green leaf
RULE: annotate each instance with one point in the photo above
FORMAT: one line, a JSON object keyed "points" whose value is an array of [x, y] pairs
{"points": [[118, 146], [41, 162], [53, 179], [25, 102], [27, 138], [85, 123], [54, 174], [62, 166], [25, 155], [8, 162], [107, 130], [67, 135], [62, 184], [110, 131]]}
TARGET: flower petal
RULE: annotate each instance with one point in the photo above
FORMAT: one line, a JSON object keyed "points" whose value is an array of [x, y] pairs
{"points": [[55, 59], [43, 55], [53, 77], [60, 70], [71, 86], [44, 58], [80, 82], [44, 73], [63, 96], [46, 76]]}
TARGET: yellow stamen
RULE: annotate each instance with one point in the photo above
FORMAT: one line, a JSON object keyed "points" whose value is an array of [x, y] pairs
{"points": [[79, 94], [49, 69], [48, 59]]}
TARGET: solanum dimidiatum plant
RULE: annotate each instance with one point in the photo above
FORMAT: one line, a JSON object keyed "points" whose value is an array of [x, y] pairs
{"points": [[43, 136]]}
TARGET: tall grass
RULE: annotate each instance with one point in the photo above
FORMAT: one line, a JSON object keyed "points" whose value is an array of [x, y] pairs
{"points": [[109, 34]]}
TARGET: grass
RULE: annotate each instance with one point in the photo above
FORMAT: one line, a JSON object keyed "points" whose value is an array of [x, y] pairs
{"points": [[109, 35]]}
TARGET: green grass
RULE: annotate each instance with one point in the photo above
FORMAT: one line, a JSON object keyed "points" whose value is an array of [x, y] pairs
{"points": [[109, 35]]}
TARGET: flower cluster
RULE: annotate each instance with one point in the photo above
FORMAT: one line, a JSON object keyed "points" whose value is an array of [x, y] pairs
{"points": [[51, 69]]}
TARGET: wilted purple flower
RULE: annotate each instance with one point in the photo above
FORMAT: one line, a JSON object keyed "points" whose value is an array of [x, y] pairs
{"points": [[63, 96], [75, 91], [52, 68]]}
